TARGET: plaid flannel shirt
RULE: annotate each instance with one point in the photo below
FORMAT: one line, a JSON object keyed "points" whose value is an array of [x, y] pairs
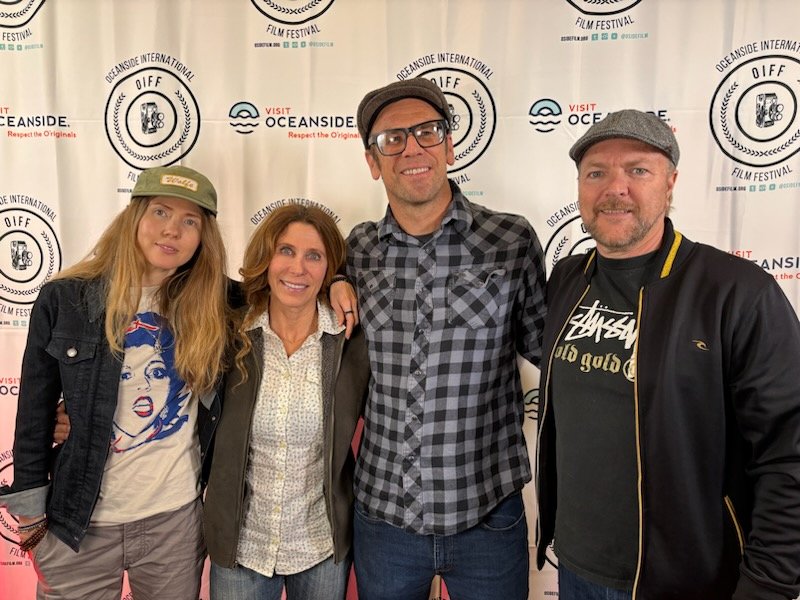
{"points": [[444, 321]]}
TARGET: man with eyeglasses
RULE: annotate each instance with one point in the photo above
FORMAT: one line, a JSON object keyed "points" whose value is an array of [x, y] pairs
{"points": [[449, 293]]}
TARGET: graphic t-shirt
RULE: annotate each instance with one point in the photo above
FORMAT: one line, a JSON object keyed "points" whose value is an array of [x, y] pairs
{"points": [[592, 383], [153, 463]]}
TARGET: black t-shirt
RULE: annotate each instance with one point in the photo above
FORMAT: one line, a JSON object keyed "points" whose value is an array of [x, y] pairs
{"points": [[592, 377]]}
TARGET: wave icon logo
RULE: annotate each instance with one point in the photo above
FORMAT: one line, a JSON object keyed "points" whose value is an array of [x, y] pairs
{"points": [[545, 115], [244, 118]]}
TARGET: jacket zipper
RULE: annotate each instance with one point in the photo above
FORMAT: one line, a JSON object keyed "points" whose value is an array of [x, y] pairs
{"points": [[637, 428], [666, 269], [544, 412], [732, 512]]}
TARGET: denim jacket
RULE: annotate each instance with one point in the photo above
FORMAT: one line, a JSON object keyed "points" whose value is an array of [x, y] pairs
{"points": [[67, 354]]}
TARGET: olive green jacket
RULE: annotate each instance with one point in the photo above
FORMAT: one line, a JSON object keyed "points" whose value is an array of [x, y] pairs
{"points": [[345, 377]]}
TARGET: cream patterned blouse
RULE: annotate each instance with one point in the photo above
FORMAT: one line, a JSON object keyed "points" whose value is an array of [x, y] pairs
{"points": [[286, 528]]}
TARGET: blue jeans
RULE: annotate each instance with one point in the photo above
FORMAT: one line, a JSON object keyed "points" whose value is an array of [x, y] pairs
{"points": [[324, 581], [575, 587], [489, 560]]}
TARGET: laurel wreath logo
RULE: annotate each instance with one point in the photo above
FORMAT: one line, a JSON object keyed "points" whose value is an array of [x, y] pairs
{"points": [[7, 525], [164, 153], [50, 269], [292, 11], [723, 118], [557, 251], [19, 13], [481, 128]]}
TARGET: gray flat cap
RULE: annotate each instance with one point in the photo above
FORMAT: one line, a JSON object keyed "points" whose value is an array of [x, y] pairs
{"points": [[376, 100], [631, 124]]}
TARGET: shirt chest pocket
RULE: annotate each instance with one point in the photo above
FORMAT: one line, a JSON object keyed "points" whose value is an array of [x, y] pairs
{"points": [[475, 297], [376, 296], [76, 361]]}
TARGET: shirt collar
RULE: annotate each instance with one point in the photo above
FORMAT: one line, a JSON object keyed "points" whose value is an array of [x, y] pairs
{"points": [[326, 321], [459, 213]]}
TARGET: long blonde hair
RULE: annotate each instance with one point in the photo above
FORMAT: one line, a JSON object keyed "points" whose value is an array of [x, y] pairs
{"points": [[259, 252], [193, 299]]}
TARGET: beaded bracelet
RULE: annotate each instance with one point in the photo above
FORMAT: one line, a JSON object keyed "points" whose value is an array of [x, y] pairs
{"points": [[31, 542], [339, 277], [32, 526]]}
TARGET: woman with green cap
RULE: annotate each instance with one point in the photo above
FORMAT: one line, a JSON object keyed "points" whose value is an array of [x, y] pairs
{"points": [[132, 337]]}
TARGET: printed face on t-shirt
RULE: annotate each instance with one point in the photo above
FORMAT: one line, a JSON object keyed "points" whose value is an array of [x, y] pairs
{"points": [[146, 383], [152, 397]]}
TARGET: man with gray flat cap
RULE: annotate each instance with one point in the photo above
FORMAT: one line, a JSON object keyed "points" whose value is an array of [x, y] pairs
{"points": [[669, 414], [449, 293]]}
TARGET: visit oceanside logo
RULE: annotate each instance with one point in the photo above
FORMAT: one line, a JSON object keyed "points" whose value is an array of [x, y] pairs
{"points": [[464, 79], [30, 255], [293, 23], [245, 119], [152, 117], [27, 124], [546, 115], [603, 20], [754, 116], [783, 267]]}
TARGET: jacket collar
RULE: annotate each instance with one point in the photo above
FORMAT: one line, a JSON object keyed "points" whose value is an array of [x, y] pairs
{"points": [[94, 297], [672, 252]]}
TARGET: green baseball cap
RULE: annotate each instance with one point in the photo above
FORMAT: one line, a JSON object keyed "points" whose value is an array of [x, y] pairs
{"points": [[178, 182]]}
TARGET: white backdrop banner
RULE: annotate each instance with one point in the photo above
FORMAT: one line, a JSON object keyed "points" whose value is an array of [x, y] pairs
{"points": [[261, 95]]}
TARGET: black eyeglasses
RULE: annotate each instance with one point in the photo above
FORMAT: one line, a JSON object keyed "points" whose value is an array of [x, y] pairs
{"points": [[393, 141]]}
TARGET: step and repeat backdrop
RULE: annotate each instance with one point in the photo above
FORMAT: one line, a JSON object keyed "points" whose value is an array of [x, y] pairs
{"points": [[261, 96]]}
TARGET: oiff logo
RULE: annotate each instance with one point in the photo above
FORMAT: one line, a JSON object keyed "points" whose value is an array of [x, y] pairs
{"points": [[29, 255], [473, 110], [13, 14], [603, 7], [152, 118], [291, 12], [754, 113]]}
